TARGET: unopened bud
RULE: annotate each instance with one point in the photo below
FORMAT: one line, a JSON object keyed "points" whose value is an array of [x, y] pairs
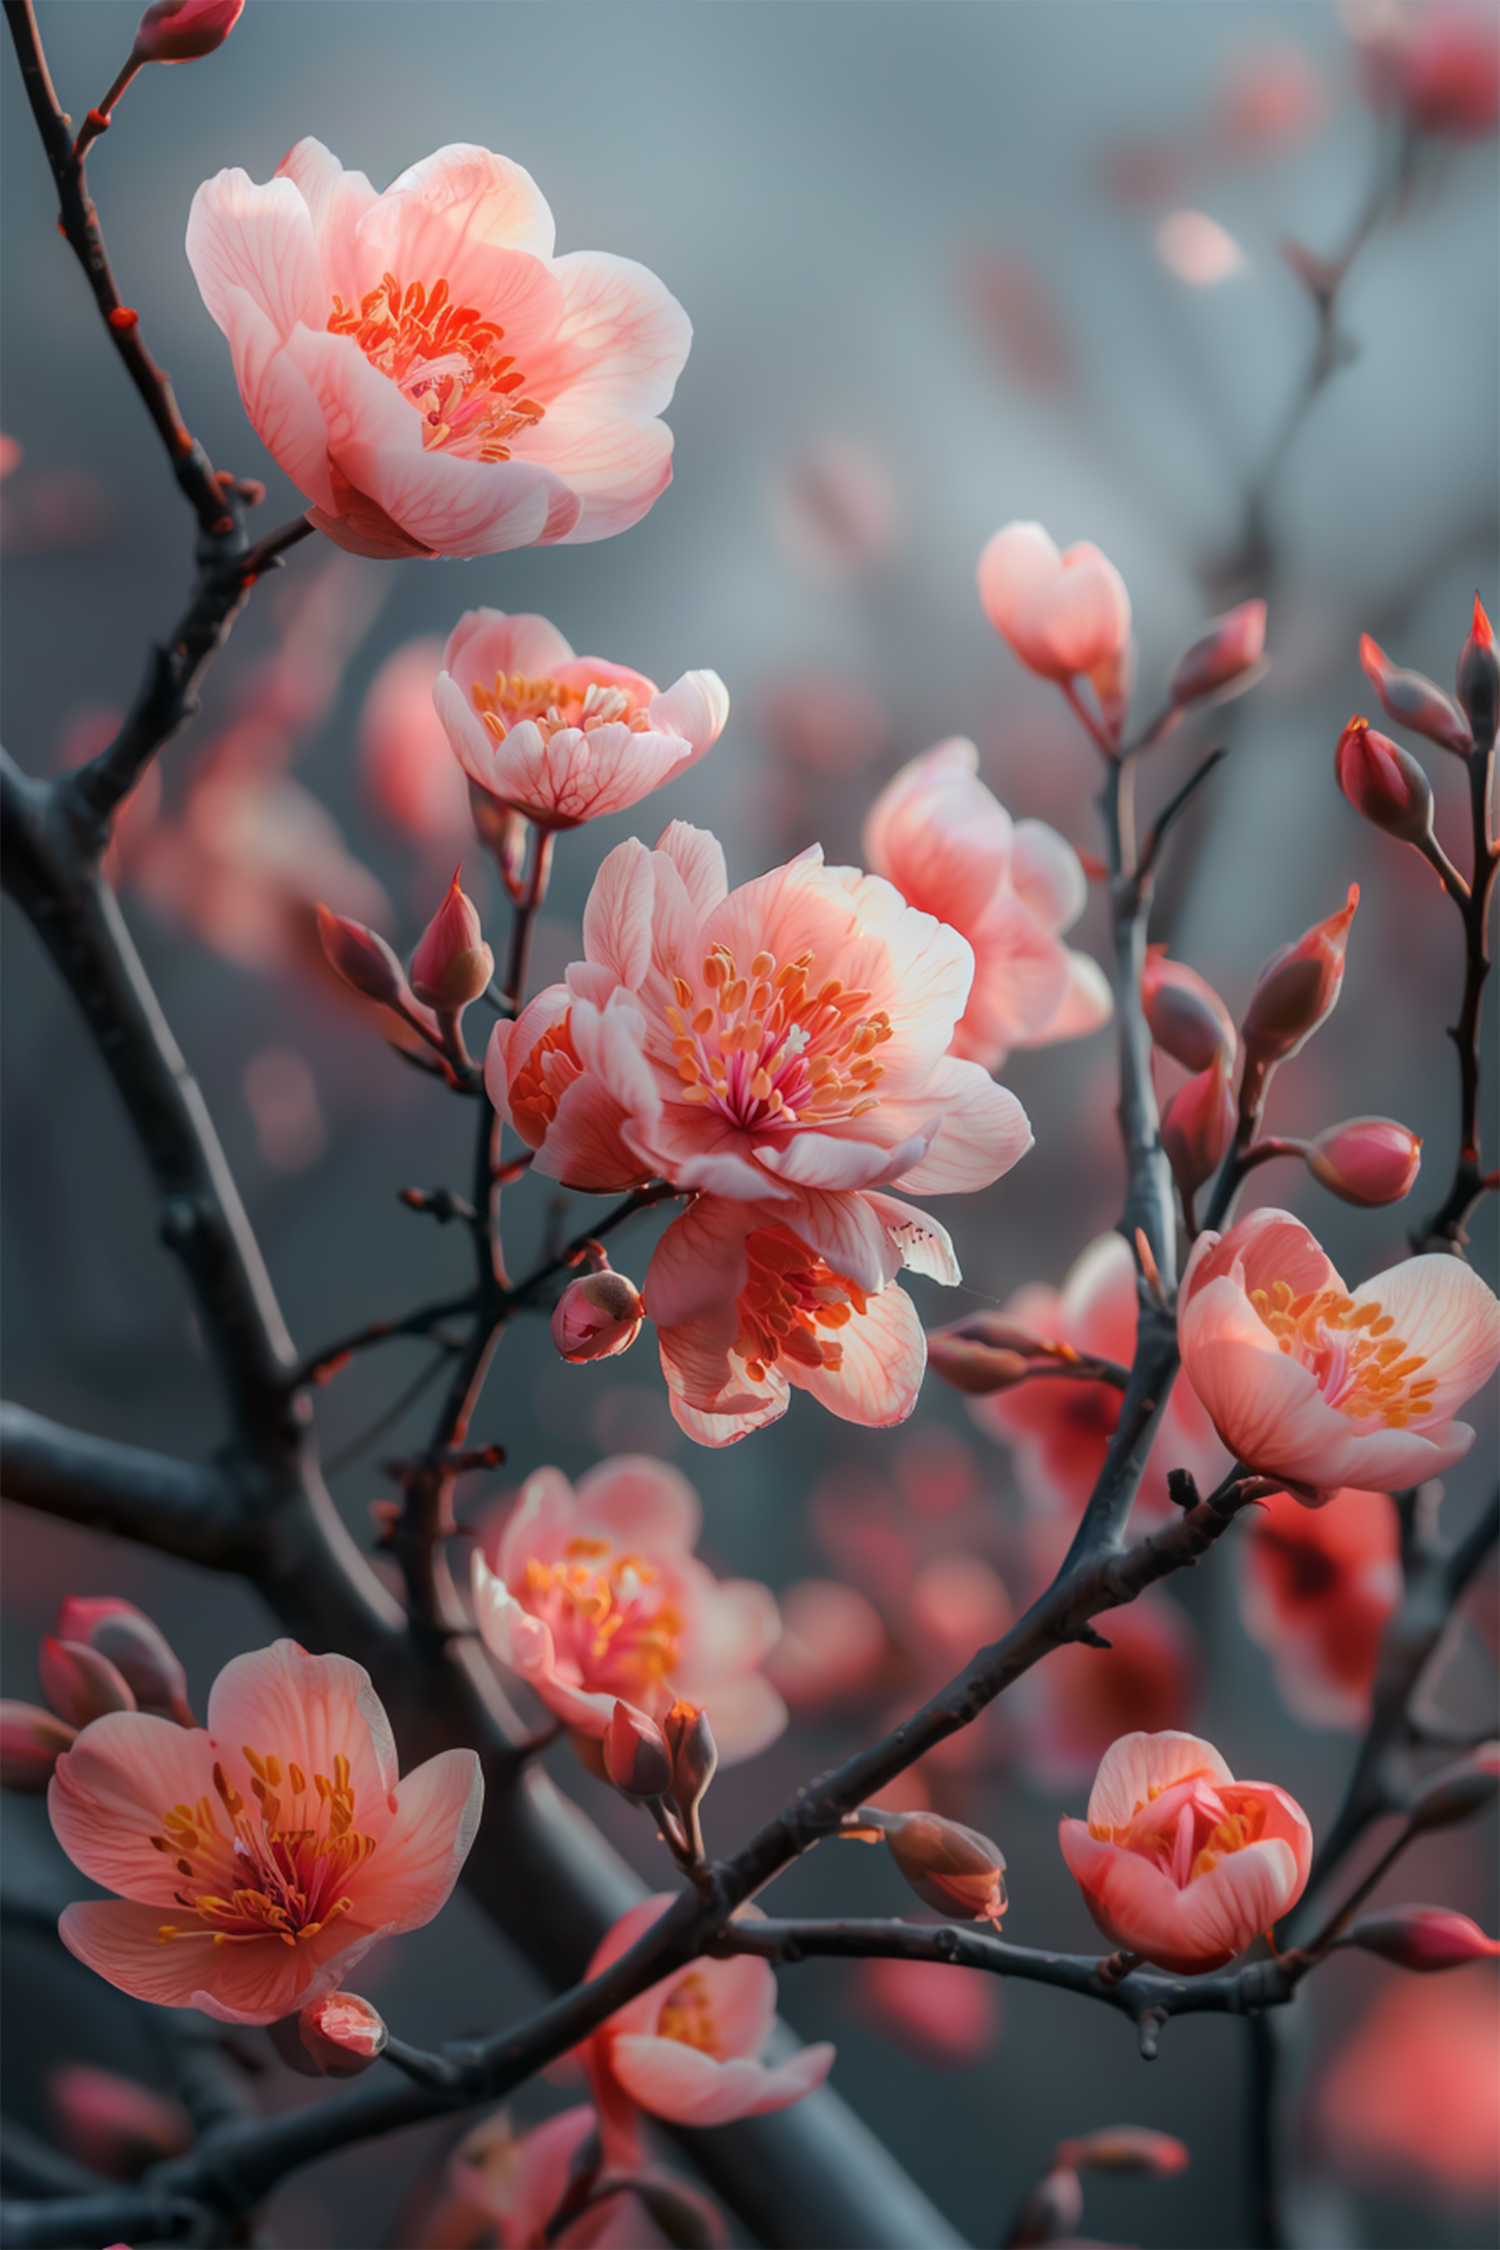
{"points": [[1426, 1938], [695, 1754], [1051, 2211], [342, 2034], [1133, 2151], [1458, 1792], [1414, 701], [597, 1316], [951, 1868], [1479, 680], [1383, 782], [636, 1756], [79, 1683], [976, 1369], [361, 958], [1228, 653], [1297, 989], [1197, 1126], [176, 31], [452, 964], [1184, 1014], [1368, 1160], [139, 1651], [31, 1742]]}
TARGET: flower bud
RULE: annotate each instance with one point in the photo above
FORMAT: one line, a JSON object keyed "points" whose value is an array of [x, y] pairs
{"points": [[1184, 1014], [636, 1756], [597, 1316], [79, 1683], [976, 1369], [176, 31], [1426, 1938], [1133, 2151], [1383, 782], [361, 958], [695, 1755], [138, 1650], [1197, 1126], [1458, 1792], [1479, 680], [1368, 1160], [1050, 2212], [1297, 990], [1414, 701], [341, 2034], [951, 1868], [114, 2125], [452, 964], [31, 1742], [1228, 653]]}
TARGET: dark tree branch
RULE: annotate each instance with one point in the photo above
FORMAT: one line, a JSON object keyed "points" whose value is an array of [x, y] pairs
{"points": [[1446, 1228], [197, 1514]]}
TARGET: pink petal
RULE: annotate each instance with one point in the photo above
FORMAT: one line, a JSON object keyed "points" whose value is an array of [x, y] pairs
{"points": [[543, 1519], [283, 407], [938, 834], [1140, 1766], [111, 1792], [851, 1233], [880, 1372], [246, 1980], [335, 198], [641, 1502], [699, 1266], [1443, 1311], [678, 2082], [917, 1239], [694, 707], [1233, 1904], [1265, 1406], [984, 1132], [698, 858], [413, 1870], [313, 1709], [753, 1409], [1019, 561], [1086, 1006], [1048, 875], [617, 918], [259, 240], [487, 641], [1020, 982], [820, 1159], [747, 1715], [621, 343], [1269, 1246], [456, 214]]}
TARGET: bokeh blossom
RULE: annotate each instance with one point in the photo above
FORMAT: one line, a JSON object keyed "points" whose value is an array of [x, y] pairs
{"points": [[1317, 1586], [1412, 2101]]}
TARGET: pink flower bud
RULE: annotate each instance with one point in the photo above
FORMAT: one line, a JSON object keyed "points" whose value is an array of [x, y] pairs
{"points": [[138, 1650], [1479, 680], [1414, 701], [951, 1868], [636, 1756], [1062, 613], [1184, 1014], [1458, 1792], [1197, 1126], [1228, 653], [977, 1369], [1383, 782], [362, 959], [452, 964], [79, 1683], [1368, 1160], [31, 1742], [695, 1756], [1297, 989], [342, 2034], [1425, 1938], [112, 2124], [1051, 2211], [1133, 2151], [176, 31], [597, 1317]]}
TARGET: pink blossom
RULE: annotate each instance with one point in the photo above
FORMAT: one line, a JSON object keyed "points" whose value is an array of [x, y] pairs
{"points": [[1177, 1860], [688, 2049], [1059, 1430], [452, 965], [950, 2017], [595, 1596], [1011, 888], [1437, 65], [114, 2125], [1069, 1710], [406, 765], [259, 1859], [565, 738], [1413, 2099], [420, 364], [1326, 1387], [832, 1646], [1317, 1586], [1063, 614], [1367, 1160], [518, 2184]]}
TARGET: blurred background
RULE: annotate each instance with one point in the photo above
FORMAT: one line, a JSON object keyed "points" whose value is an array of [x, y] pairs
{"points": [[947, 265]]}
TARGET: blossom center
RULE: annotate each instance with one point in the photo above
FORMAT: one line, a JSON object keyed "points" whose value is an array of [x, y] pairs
{"points": [[606, 1614], [542, 1080], [687, 2015], [1185, 1830], [767, 1048], [1358, 1364], [447, 361], [789, 1294], [277, 1869], [553, 704]]}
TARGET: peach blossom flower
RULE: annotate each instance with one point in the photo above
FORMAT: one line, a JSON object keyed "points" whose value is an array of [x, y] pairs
{"points": [[259, 1859], [1177, 1860], [1414, 2099], [1326, 1387], [518, 2184], [406, 765], [1012, 888], [565, 738], [947, 2016], [688, 2049], [420, 364], [1317, 1586], [595, 1596], [1063, 614], [1059, 1430], [832, 1647], [178, 31]]}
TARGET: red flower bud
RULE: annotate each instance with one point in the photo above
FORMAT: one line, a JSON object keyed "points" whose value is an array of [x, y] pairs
{"points": [[452, 964], [597, 1316], [1414, 701], [1132, 2150], [1227, 654], [176, 31], [1184, 1014], [362, 959], [1197, 1126], [1384, 782], [1368, 1160], [1297, 989], [79, 1683], [1479, 680], [138, 1650], [951, 1868], [112, 2124], [1425, 1938], [31, 1742], [695, 1754], [636, 1756], [341, 2034]]}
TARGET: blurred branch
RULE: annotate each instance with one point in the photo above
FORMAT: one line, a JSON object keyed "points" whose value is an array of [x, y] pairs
{"points": [[1445, 1230], [31, 2166], [180, 1509]]}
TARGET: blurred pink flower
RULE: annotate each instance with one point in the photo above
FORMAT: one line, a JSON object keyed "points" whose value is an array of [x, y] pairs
{"points": [[112, 2124], [420, 364], [406, 764], [1437, 65], [1272, 96], [1063, 614], [1069, 1710], [1011, 888], [945, 2015], [1317, 1586], [1177, 1860], [1327, 1387], [833, 509], [1018, 318], [1412, 2101], [816, 719], [518, 2184], [565, 738], [832, 1648], [258, 1859], [688, 2049], [595, 1595], [1196, 249]]}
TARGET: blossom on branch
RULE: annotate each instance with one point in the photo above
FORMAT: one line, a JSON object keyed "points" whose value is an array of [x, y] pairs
{"points": [[1322, 1386], [421, 365], [1064, 615], [258, 1859]]}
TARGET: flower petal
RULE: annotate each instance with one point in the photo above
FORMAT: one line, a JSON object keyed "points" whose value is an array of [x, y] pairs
{"points": [[245, 1980], [1140, 1766], [411, 1875], [681, 2083], [110, 1794]]}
